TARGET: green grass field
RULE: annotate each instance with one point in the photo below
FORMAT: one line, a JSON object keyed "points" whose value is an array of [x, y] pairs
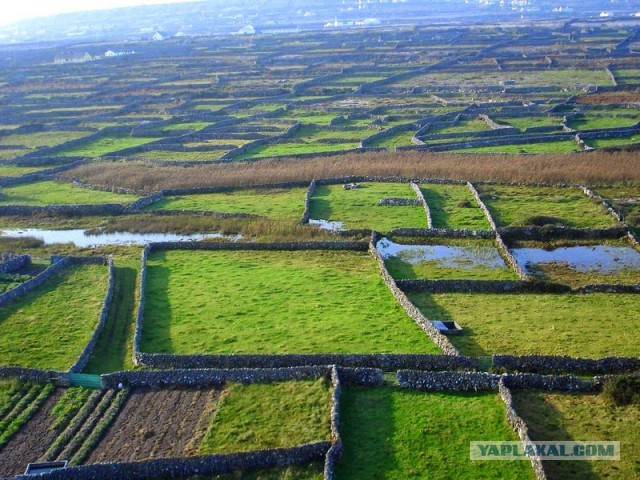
{"points": [[359, 208], [114, 350], [398, 434], [523, 123], [453, 206], [561, 146], [594, 325], [170, 156], [286, 149], [269, 415], [58, 193], [612, 142], [398, 139], [519, 206], [583, 417], [596, 122], [281, 204], [16, 171], [49, 327], [103, 146], [626, 199], [273, 302], [42, 139]]}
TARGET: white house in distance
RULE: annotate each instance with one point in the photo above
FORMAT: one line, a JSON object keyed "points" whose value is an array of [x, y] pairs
{"points": [[111, 53], [158, 36], [247, 30]]}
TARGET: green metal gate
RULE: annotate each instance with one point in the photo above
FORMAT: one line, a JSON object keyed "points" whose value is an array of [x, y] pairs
{"points": [[85, 380]]}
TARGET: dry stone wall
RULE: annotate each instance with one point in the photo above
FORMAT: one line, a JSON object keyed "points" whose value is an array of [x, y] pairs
{"points": [[11, 263], [423, 202], [440, 340], [520, 427], [550, 363], [82, 361], [209, 465], [307, 202], [502, 247]]}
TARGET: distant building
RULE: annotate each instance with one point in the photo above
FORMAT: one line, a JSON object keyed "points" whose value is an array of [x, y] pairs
{"points": [[111, 53], [159, 36], [247, 30], [75, 58]]}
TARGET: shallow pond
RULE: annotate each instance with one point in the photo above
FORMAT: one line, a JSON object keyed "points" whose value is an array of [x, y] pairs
{"points": [[327, 224], [81, 239], [600, 258], [470, 257]]}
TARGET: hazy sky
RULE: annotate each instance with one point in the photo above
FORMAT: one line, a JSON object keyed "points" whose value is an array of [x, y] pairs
{"points": [[22, 9]]}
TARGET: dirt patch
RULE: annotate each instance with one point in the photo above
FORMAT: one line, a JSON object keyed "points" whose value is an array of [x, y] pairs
{"points": [[32, 441], [157, 424]]}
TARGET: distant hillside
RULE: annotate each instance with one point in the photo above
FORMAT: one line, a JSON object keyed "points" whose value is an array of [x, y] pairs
{"points": [[210, 17]]}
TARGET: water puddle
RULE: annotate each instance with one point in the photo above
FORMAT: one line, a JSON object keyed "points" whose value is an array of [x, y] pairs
{"points": [[447, 256], [600, 258], [81, 239], [327, 224]]}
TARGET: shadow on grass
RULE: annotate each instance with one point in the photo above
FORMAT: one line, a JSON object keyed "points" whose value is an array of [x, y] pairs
{"points": [[156, 327], [319, 206], [113, 352], [401, 270], [546, 423], [367, 430], [434, 311], [436, 202]]}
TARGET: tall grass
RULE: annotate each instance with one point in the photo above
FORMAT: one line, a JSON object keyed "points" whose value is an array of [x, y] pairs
{"points": [[596, 167]]}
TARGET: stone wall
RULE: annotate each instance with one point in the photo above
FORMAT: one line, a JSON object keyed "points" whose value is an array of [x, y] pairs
{"points": [[549, 233], [40, 175], [11, 263], [307, 202], [208, 465], [236, 152], [63, 210], [29, 374], [399, 202], [145, 201], [520, 427], [367, 142], [383, 361], [489, 382], [481, 286], [205, 376], [423, 202], [615, 213], [448, 381], [502, 247], [35, 282], [442, 232], [57, 267], [550, 363], [335, 452], [501, 140], [82, 361], [440, 340]]}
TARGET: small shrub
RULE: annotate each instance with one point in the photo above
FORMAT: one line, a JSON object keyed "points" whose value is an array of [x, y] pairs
{"points": [[542, 220], [623, 390], [464, 204]]}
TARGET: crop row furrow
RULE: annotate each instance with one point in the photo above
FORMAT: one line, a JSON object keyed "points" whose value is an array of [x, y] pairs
{"points": [[79, 438], [23, 417], [101, 428], [10, 405], [73, 426], [21, 405]]}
